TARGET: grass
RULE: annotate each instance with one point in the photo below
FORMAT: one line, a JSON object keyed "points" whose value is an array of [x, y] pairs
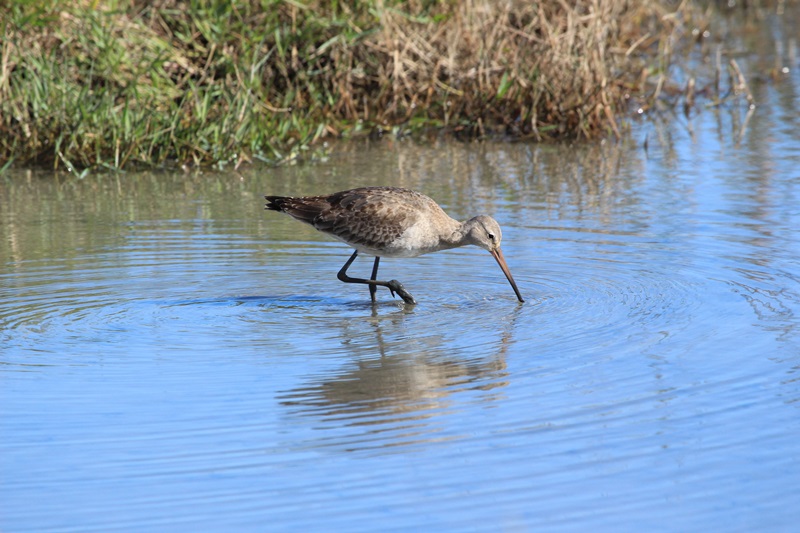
{"points": [[127, 83]]}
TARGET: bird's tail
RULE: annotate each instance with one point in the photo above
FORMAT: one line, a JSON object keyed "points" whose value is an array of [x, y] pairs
{"points": [[305, 209], [277, 203]]}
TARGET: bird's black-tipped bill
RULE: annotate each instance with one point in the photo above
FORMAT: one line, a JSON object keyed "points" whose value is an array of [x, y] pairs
{"points": [[498, 255]]}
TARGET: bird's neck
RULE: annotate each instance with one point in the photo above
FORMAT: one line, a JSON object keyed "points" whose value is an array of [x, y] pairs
{"points": [[456, 235]]}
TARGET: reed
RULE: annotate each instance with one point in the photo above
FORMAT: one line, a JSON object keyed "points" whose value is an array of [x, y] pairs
{"points": [[122, 83]]}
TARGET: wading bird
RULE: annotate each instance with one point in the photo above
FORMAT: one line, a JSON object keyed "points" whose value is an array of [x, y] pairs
{"points": [[391, 222]]}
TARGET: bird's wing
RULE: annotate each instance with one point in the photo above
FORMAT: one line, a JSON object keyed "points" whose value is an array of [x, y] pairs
{"points": [[372, 217]]}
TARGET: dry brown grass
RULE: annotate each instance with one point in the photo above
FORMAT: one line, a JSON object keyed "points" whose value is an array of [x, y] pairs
{"points": [[541, 69]]}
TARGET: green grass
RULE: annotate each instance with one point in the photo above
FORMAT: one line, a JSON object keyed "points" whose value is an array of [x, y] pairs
{"points": [[120, 84]]}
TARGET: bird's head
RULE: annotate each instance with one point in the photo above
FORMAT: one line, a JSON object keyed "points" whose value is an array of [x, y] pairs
{"points": [[484, 231]]}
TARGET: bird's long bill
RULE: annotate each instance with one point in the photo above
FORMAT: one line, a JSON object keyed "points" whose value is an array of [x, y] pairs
{"points": [[497, 254]]}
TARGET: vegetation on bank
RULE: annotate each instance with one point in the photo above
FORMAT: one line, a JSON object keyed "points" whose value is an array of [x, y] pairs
{"points": [[126, 82]]}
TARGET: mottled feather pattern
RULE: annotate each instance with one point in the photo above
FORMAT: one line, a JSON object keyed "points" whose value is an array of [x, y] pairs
{"points": [[369, 217]]}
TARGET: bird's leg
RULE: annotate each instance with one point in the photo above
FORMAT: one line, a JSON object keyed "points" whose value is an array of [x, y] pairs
{"points": [[394, 286], [372, 288]]}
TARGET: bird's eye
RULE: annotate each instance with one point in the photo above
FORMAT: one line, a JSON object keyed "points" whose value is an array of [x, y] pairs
{"points": [[491, 237]]}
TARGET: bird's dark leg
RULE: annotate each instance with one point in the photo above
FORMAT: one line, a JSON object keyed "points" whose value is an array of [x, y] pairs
{"points": [[394, 286], [372, 288]]}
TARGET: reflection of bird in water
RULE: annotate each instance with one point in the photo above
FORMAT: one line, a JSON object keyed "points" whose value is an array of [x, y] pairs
{"points": [[414, 385], [391, 222], [402, 393]]}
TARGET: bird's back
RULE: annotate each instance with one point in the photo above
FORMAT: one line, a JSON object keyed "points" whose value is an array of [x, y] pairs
{"points": [[371, 219]]}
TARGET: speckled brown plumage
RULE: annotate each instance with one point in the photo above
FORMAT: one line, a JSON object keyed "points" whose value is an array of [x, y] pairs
{"points": [[370, 219]]}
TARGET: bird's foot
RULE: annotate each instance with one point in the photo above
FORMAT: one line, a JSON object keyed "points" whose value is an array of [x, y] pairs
{"points": [[397, 287]]}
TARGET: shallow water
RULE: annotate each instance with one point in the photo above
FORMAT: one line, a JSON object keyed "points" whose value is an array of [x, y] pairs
{"points": [[172, 356]]}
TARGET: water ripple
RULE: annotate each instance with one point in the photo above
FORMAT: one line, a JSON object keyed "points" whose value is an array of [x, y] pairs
{"points": [[153, 365]]}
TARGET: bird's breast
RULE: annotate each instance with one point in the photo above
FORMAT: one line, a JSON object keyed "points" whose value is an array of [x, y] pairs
{"points": [[415, 240]]}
